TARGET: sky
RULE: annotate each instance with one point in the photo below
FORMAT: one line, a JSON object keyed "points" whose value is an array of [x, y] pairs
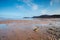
{"points": [[28, 8]]}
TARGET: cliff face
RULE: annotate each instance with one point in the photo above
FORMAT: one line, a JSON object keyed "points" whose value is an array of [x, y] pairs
{"points": [[47, 16]]}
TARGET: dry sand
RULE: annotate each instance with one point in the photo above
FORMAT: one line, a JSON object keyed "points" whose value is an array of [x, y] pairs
{"points": [[23, 30]]}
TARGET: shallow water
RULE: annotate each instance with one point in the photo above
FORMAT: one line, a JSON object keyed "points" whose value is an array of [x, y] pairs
{"points": [[3, 26]]}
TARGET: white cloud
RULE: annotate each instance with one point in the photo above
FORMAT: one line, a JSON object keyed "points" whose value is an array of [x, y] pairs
{"points": [[29, 3], [56, 11], [35, 7], [57, 1], [50, 12], [52, 2], [44, 11], [18, 6]]}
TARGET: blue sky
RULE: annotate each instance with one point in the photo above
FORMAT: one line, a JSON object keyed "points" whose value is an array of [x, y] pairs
{"points": [[28, 8]]}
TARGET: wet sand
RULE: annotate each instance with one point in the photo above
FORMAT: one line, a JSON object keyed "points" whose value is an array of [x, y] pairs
{"points": [[23, 29]]}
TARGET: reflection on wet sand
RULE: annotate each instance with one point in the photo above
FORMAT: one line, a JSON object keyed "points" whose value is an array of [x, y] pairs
{"points": [[29, 30]]}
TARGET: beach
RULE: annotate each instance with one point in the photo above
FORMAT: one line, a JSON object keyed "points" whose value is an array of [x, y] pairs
{"points": [[49, 29]]}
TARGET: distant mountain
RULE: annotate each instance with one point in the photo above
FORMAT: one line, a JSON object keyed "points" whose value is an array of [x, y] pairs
{"points": [[47, 16], [27, 17]]}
